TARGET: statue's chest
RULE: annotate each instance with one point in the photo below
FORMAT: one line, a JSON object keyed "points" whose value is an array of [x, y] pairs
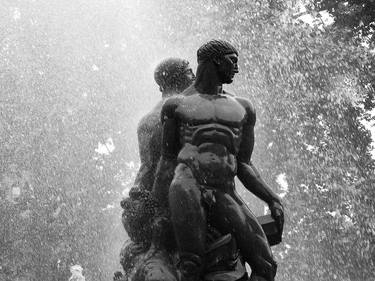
{"points": [[204, 109]]}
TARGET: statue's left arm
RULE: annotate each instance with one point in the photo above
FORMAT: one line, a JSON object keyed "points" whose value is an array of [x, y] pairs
{"points": [[248, 174], [168, 160]]}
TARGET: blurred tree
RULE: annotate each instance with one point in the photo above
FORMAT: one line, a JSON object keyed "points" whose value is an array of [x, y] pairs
{"points": [[354, 21], [354, 17], [310, 88]]}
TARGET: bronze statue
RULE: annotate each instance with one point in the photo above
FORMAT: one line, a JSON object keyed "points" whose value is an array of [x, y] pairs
{"points": [[172, 75], [208, 139], [150, 254]]}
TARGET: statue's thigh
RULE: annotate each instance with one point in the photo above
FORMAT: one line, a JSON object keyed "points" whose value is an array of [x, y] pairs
{"points": [[229, 214], [250, 217], [184, 193], [188, 215]]}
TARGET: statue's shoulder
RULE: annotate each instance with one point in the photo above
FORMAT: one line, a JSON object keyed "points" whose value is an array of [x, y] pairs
{"points": [[170, 106], [145, 124], [174, 101], [151, 120], [246, 103]]}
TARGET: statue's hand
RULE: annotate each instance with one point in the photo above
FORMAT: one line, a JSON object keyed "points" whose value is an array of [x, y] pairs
{"points": [[277, 212]]}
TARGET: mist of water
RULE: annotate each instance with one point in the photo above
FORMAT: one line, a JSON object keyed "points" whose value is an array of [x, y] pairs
{"points": [[77, 75]]}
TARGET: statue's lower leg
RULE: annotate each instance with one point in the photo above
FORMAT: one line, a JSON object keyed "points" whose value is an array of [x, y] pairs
{"points": [[190, 266], [229, 216]]}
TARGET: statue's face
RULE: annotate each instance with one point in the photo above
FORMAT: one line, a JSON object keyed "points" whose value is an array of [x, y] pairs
{"points": [[227, 68], [187, 78], [189, 74]]}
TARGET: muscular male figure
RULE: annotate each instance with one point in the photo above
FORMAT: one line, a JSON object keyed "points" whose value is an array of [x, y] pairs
{"points": [[172, 75], [211, 135]]}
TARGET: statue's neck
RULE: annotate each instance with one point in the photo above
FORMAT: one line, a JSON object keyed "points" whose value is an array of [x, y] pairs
{"points": [[209, 89], [207, 81], [168, 93]]}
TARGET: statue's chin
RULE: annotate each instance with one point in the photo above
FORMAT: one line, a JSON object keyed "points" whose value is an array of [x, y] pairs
{"points": [[229, 80]]}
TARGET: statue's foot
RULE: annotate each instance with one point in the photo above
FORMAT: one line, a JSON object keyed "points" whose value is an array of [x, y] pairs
{"points": [[156, 266], [188, 277], [190, 267], [159, 274]]}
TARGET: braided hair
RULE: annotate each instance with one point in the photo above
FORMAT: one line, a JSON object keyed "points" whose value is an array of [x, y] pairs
{"points": [[215, 49]]}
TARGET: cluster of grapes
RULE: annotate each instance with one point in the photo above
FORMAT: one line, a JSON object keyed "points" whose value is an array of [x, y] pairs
{"points": [[148, 204], [139, 211]]}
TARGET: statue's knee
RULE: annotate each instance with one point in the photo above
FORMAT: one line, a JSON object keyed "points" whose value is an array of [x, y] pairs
{"points": [[184, 197], [265, 268], [184, 187], [273, 268], [183, 172], [160, 272]]}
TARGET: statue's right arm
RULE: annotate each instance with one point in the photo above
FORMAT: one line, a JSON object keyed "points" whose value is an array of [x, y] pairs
{"points": [[169, 150], [248, 174]]}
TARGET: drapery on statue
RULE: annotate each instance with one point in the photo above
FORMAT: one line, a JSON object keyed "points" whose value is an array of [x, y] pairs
{"points": [[208, 137]]}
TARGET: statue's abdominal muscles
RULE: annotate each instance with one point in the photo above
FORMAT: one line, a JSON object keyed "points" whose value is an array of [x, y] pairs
{"points": [[210, 138]]}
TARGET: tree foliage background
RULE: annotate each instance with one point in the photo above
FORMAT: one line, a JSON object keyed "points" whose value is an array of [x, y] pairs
{"points": [[76, 76]]}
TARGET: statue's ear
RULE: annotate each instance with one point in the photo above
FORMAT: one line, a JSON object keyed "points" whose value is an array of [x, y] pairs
{"points": [[217, 61]]}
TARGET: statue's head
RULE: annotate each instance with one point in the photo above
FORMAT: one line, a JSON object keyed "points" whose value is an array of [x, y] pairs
{"points": [[223, 55], [173, 74]]}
